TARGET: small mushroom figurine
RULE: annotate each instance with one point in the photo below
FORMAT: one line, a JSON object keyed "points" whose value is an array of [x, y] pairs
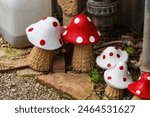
{"points": [[141, 88], [45, 36], [110, 57], [83, 34], [117, 78]]}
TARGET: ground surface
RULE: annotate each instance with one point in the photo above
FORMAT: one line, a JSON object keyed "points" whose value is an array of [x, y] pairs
{"points": [[14, 86], [23, 84]]}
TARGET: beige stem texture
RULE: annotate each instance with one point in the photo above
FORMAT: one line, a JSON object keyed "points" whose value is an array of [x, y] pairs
{"points": [[39, 59], [82, 60], [113, 93]]}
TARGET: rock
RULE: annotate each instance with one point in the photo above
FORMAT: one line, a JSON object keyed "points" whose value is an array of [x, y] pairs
{"points": [[78, 86], [28, 73], [13, 90], [10, 57], [37, 86], [93, 96]]}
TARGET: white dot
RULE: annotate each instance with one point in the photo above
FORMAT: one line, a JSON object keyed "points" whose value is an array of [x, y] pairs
{"points": [[138, 92], [140, 78], [77, 20], [92, 39], [79, 40], [64, 26], [89, 19], [65, 33], [148, 78], [99, 33]]}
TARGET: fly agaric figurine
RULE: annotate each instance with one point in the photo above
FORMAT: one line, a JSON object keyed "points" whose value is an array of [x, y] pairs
{"points": [[141, 88], [117, 78], [83, 34], [45, 36], [110, 57]]}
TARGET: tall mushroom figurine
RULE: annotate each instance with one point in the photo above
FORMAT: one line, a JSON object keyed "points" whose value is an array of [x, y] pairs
{"points": [[117, 78], [110, 57], [71, 8], [46, 37], [141, 88], [83, 34], [145, 68]]}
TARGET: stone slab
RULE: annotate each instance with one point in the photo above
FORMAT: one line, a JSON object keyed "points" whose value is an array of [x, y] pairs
{"points": [[78, 86], [10, 57], [28, 73]]}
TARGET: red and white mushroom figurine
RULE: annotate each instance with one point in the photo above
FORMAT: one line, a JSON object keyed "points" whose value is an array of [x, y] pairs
{"points": [[110, 57], [45, 36], [83, 34], [141, 88], [117, 78]]}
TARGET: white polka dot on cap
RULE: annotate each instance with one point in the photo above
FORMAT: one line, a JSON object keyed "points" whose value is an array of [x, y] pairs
{"points": [[138, 92], [77, 20], [92, 39], [139, 78], [79, 40], [148, 78], [65, 33], [89, 19]]}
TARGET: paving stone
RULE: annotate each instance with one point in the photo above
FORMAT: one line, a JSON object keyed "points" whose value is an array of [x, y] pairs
{"points": [[10, 57], [28, 73], [78, 86]]}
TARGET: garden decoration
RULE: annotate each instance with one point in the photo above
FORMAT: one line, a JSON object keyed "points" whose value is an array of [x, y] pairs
{"points": [[45, 35], [103, 12], [71, 8], [141, 87], [83, 34], [110, 57], [117, 78]]}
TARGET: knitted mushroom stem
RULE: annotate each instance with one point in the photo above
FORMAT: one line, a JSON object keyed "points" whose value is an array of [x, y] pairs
{"points": [[82, 58], [67, 19], [136, 98], [113, 93], [40, 59], [69, 9]]}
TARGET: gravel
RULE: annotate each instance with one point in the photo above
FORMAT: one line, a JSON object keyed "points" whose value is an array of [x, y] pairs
{"points": [[15, 88]]}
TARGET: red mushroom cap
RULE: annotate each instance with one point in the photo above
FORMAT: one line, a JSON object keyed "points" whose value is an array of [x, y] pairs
{"points": [[81, 31], [141, 88]]}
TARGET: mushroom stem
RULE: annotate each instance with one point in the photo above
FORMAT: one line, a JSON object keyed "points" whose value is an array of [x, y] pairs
{"points": [[136, 98], [113, 93], [82, 60], [40, 59], [67, 19]]}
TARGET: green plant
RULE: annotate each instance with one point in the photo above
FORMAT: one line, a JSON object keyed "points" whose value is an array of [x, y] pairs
{"points": [[129, 50], [95, 75]]}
